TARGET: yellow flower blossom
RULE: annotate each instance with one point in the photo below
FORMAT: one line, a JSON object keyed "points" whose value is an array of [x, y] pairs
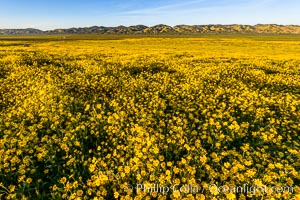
{"points": [[102, 116]]}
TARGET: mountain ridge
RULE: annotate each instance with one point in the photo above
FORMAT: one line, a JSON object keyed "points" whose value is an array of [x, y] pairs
{"points": [[163, 29]]}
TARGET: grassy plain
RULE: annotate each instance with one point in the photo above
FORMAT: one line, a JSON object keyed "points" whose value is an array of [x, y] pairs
{"points": [[87, 117]]}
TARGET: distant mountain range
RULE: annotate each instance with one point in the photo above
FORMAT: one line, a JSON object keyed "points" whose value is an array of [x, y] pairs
{"points": [[163, 29]]}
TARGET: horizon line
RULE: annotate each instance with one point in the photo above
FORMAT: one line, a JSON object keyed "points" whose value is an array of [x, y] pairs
{"points": [[77, 27]]}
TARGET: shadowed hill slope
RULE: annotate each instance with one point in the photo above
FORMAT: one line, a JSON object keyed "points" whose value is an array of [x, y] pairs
{"points": [[163, 29]]}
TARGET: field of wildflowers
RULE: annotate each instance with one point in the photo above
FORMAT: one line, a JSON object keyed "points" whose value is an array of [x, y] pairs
{"points": [[99, 119]]}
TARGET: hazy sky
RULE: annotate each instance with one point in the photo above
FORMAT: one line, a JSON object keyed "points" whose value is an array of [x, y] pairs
{"points": [[51, 14]]}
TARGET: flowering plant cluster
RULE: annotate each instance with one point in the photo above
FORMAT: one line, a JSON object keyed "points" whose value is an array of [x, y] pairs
{"points": [[85, 119]]}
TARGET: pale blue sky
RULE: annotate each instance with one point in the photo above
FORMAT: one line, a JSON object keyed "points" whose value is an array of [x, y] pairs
{"points": [[51, 14]]}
